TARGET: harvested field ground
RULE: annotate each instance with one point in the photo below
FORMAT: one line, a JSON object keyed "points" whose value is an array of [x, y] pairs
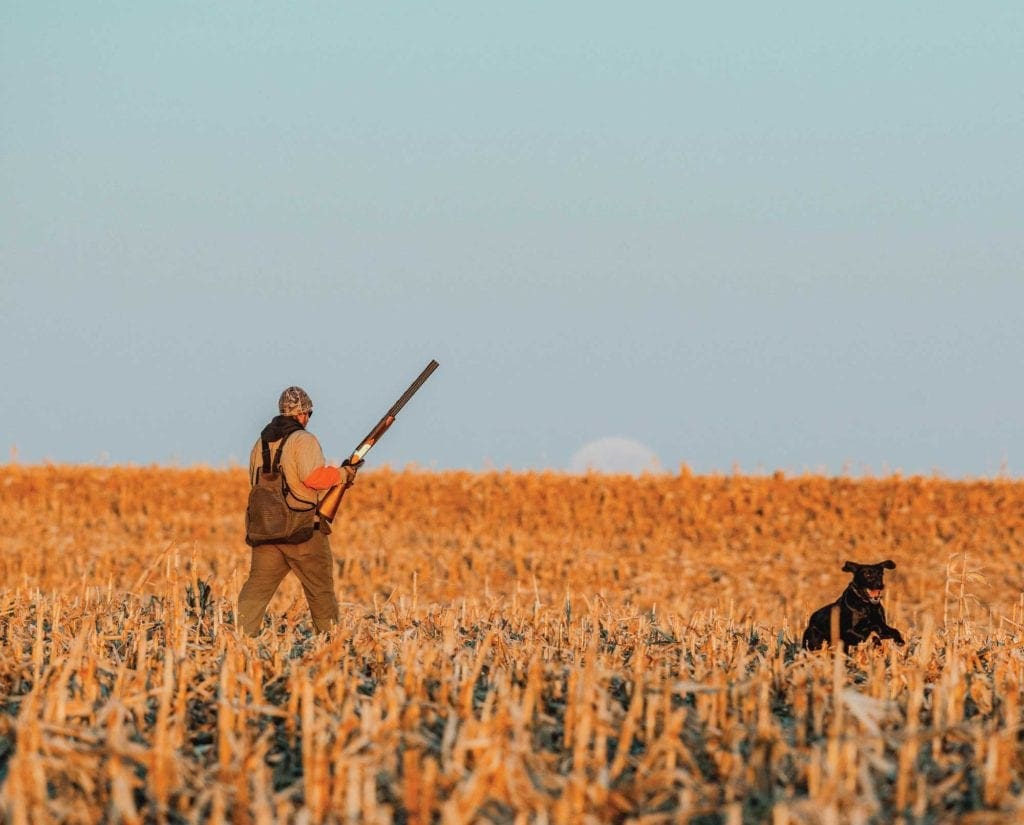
{"points": [[512, 648]]}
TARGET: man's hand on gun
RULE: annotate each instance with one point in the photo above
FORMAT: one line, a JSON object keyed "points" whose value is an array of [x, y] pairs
{"points": [[350, 470]]}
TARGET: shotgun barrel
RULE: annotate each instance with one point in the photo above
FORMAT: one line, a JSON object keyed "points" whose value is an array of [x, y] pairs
{"points": [[329, 504]]}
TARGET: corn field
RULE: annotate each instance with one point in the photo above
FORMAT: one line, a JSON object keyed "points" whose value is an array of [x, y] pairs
{"points": [[513, 648]]}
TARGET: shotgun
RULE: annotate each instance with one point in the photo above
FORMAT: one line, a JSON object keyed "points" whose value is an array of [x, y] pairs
{"points": [[329, 504]]}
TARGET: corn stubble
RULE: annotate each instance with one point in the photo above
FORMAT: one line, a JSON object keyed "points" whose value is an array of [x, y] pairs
{"points": [[512, 648]]}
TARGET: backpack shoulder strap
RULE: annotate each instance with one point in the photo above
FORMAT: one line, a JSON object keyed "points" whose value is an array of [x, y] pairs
{"points": [[272, 466], [280, 452]]}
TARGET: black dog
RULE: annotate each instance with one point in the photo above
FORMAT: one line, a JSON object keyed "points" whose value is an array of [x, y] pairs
{"points": [[860, 610]]}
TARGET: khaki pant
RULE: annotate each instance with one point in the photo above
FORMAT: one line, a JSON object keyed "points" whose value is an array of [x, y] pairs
{"points": [[311, 561]]}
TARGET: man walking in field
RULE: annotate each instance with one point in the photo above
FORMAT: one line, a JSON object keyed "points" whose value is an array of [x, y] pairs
{"points": [[288, 465]]}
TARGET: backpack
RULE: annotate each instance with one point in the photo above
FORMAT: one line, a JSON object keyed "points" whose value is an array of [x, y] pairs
{"points": [[268, 517]]}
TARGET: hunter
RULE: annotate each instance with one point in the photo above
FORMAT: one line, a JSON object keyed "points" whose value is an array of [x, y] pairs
{"points": [[285, 443]]}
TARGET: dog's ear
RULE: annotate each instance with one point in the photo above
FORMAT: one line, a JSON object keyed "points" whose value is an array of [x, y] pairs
{"points": [[888, 564], [851, 567]]}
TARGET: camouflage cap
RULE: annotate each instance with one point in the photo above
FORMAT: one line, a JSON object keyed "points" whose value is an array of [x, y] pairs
{"points": [[294, 401]]}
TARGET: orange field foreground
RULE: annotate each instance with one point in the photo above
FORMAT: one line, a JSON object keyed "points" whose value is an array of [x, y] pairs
{"points": [[514, 647]]}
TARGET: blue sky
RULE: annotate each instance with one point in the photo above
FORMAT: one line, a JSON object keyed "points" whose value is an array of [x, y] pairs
{"points": [[773, 238]]}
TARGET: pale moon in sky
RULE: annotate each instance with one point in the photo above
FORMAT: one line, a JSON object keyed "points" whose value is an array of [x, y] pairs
{"points": [[615, 455]]}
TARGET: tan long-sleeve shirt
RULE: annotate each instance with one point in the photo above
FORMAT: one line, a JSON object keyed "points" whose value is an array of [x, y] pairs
{"points": [[302, 455]]}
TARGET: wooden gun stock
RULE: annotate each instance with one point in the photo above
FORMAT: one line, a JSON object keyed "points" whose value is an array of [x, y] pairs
{"points": [[329, 504]]}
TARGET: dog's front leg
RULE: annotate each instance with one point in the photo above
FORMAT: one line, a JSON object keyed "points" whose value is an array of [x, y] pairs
{"points": [[890, 632], [887, 631]]}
